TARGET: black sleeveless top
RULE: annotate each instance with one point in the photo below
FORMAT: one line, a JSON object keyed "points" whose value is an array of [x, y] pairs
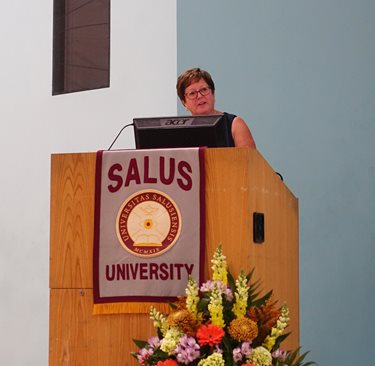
{"points": [[229, 120]]}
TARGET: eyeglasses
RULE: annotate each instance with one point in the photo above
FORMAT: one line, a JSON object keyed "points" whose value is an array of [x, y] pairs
{"points": [[194, 93]]}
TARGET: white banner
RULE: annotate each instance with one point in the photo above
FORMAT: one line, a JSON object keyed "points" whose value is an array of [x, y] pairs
{"points": [[149, 223]]}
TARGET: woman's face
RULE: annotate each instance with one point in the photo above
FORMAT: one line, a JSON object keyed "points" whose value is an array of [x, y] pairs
{"points": [[201, 104]]}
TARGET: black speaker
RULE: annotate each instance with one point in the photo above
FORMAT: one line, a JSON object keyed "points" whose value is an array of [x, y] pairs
{"points": [[258, 227]]}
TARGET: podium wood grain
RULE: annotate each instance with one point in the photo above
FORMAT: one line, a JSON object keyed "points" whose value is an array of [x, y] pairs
{"points": [[238, 183]]}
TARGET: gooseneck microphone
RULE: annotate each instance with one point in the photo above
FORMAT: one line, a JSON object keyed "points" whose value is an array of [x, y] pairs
{"points": [[122, 129]]}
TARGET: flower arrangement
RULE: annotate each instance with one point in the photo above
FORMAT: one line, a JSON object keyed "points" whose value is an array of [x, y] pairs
{"points": [[222, 323]]}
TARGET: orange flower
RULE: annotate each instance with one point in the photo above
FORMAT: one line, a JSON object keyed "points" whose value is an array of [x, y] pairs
{"points": [[168, 362], [210, 334], [248, 364]]}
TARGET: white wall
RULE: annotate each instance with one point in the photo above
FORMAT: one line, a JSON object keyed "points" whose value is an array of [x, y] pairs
{"points": [[35, 124]]}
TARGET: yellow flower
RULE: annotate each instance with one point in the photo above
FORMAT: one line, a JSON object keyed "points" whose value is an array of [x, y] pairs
{"points": [[159, 320], [192, 296], [260, 356], [170, 340], [277, 331], [215, 307], [216, 359], [219, 266], [269, 342], [241, 295]]}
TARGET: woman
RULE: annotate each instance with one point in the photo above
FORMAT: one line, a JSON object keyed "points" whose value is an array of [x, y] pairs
{"points": [[196, 91]]}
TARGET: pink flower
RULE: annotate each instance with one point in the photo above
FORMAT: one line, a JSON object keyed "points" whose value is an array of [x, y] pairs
{"points": [[144, 354]]}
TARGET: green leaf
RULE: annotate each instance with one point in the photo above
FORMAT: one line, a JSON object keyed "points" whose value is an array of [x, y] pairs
{"points": [[255, 291], [172, 305], [228, 352], [259, 302], [301, 359], [279, 340], [231, 281], [140, 343], [203, 303], [160, 354], [293, 359], [250, 275]]}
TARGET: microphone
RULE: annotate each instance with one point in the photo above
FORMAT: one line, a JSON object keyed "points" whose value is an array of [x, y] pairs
{"points": [[122, 129]]}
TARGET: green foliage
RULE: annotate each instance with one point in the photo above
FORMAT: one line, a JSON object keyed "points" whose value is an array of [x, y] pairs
{"points": [[294, 359], [140, 343], [279, 340], [228, 349]]}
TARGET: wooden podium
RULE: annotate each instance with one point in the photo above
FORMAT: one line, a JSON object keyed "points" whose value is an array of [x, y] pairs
{"points": [[239, 182]]}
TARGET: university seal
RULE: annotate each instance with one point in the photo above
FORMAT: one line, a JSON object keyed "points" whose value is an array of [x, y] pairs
{"points": [[148, 223]]}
